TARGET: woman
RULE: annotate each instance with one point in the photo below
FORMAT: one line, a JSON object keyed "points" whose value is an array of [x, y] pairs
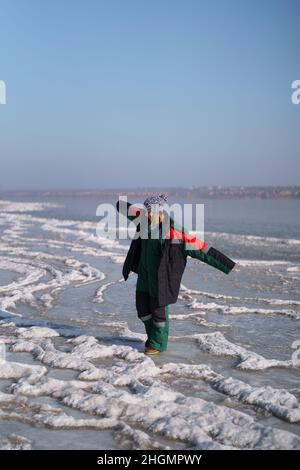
{"points": [[158, 256]]}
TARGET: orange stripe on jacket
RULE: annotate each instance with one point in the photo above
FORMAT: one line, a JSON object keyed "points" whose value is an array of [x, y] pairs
{"points": [[190, 239]]}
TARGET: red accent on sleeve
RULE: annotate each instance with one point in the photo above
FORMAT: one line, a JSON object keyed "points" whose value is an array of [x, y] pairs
{"points": [[192, 240], [134, 211]]}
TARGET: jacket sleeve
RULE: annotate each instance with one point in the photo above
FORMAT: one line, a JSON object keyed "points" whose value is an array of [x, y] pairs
{"points": [[128, 210], [196, 248], [212, 257]]}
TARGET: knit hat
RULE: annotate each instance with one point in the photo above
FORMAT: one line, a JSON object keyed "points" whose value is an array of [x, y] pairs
{"points": [[155, 201]]}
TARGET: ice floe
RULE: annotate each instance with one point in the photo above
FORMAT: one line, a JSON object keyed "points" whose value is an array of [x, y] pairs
{"points": [[131, 398], [216, 344], [110, 385], [14, 442], [279, 402]]}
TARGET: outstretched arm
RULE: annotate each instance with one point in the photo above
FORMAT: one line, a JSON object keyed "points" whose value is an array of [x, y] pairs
{"points": [[198, 249], [212, 257], [129, 210]]}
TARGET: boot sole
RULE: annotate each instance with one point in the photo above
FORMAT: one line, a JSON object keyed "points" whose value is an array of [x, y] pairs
{"points": [[151, 353]]}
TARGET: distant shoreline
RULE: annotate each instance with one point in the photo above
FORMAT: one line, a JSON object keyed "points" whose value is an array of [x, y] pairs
{"points": [[209, 192]]}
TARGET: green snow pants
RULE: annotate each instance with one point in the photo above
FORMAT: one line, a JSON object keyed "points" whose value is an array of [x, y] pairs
{"points": [[155, 319]]}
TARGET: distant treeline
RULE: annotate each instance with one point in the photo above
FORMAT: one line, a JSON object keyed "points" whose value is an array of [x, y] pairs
{"points": [[214, 192]]}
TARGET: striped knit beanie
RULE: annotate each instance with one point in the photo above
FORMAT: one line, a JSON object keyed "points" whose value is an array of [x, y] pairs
{"points": [[155, 202]]}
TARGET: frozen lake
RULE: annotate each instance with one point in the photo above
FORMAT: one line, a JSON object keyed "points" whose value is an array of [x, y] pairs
{"points": [[75, 376]]}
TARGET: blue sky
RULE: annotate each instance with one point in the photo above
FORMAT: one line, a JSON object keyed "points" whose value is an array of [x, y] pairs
{"points": [[149, 93]]}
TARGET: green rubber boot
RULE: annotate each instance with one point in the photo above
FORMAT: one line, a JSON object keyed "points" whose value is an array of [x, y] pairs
{"points": [[159, 334], [148, 328]]}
